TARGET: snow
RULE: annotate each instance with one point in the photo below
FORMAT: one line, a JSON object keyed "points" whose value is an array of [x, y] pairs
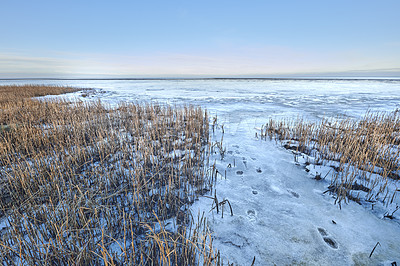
{"points": [[281, 215]]}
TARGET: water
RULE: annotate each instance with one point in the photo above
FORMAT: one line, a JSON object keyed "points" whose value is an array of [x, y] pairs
{"points": [[238, 99]]}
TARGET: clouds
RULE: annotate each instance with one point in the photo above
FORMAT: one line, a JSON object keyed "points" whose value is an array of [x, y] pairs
{"points": [[18, 66], [224, 61], [151, 65]]}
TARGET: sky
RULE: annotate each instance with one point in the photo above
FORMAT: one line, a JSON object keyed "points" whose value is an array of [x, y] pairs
{"points": [[166, 39]]}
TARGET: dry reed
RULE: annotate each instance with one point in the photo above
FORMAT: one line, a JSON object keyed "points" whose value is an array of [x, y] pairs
{"points": [[365, 152], [84, 183]]}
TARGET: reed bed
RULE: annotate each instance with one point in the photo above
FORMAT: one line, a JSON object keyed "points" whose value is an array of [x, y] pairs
{"points": [[84, 183], [10, 93], [364, 153]]}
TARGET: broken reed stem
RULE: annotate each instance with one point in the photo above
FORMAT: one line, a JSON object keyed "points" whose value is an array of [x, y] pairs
{"points": [[372, 252]]}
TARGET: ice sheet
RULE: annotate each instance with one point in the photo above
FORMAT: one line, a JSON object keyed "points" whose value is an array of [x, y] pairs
{"points": [[281, 215]]}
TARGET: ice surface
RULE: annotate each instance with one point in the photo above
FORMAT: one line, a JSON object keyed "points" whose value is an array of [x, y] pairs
{"points": [[250, 98], [280, 214]]}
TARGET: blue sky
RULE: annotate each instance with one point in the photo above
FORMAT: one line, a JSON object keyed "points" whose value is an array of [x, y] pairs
{"points": [[73, 39]]}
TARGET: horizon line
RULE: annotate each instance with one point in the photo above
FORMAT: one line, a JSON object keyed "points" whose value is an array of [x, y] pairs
{"points": [[225, 78]]}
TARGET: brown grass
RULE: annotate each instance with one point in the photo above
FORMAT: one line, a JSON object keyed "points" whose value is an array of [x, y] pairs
{"points": [[10, 93], [365, 150], [84, 183]]}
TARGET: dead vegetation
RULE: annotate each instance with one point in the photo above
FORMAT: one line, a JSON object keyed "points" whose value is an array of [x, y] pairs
{"points": [[11, 93], [84, 183], [363, 154]]}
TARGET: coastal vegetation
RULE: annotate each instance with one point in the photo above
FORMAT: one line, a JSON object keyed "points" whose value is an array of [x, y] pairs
{"points": [[363, 153], [86, 183]]}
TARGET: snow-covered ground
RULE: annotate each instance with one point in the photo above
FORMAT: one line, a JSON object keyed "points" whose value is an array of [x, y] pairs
{"points": [[280, 214]]}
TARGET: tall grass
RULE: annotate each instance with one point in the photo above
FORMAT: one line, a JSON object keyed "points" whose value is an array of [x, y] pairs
{"points": [[10, 93], [84, 183], [364, 151]]}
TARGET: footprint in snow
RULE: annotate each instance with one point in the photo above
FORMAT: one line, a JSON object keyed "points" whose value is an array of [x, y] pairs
{"points": [[244, 161], [328, 240], [251, 214], [322, 231], [295, 194]]}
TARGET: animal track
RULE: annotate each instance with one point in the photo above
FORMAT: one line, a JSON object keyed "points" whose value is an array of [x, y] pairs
{"points": [[296, 195], [328, 240], [322, 231], [244, 161], [252, 215], [251, 212], [332, 243], [237, 241]]}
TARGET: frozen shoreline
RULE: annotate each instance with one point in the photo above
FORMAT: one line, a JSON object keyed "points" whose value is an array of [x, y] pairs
{"points": [[281, 214]]}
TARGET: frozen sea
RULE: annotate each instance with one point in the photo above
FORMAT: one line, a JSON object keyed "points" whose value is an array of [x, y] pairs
{"points": [[252, 97], [281, 215]]}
